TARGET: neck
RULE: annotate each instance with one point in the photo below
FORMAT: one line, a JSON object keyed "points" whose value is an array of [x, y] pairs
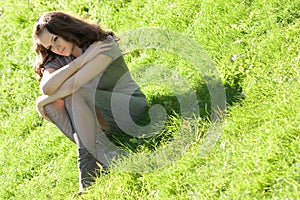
{"points": [[76, 51]]}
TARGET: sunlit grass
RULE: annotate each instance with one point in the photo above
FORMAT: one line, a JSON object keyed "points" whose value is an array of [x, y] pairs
{"points": [[256, 155]]}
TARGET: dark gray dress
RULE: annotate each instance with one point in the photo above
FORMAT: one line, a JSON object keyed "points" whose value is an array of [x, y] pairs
{"points": [[113, 92]]}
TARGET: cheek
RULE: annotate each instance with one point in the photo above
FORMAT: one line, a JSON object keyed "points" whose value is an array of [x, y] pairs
{"points": [[71, 48], [69, 45]]}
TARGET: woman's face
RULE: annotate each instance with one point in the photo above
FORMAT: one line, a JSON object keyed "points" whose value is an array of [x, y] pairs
{"points": [[57, 44]]}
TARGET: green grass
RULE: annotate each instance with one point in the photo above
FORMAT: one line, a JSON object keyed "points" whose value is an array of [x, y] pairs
{"points": [[257, 152]]}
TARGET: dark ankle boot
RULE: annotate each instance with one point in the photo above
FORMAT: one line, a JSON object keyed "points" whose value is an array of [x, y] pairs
{"points": [[89, 169]]}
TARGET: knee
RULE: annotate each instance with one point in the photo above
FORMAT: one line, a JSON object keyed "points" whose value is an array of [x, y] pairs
{"points": [[56, 105]]}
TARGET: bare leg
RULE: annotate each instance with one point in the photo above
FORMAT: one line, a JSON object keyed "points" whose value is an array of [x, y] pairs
{"points": [[83, 119], [89, 131], [87, 164], [59, 116]]}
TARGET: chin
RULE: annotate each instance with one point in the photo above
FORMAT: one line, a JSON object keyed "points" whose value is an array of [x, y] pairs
{"points": [[66, 54]]}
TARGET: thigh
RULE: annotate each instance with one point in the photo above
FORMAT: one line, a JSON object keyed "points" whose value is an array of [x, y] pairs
{"points": [[120, 111], [82, 97]]}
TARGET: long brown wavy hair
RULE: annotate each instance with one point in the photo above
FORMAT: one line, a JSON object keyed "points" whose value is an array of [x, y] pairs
{"points": [[71, 29]]}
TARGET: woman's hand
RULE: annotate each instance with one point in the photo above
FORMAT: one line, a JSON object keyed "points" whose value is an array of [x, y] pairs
{"points": [[40, 103], [92, 51]]}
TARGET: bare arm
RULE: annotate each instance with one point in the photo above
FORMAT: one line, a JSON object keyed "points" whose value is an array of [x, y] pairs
{"points": [[84, 75], [51, 81]]}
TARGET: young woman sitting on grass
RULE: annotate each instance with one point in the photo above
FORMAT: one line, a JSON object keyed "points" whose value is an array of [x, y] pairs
{"points": [[84, 79]]}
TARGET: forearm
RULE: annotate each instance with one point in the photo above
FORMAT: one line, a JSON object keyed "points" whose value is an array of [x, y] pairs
{"points": [[65, 89], [56, 79], [77, 80]]}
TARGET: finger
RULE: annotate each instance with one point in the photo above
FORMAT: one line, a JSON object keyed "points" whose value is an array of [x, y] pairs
{"points": [[95, 44], [104, 49], [100, 49], [98, 42], [105, 45], [92, 46], [98, 45]]}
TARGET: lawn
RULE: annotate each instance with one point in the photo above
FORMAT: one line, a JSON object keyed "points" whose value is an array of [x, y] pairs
{"points": [[191, 57]]}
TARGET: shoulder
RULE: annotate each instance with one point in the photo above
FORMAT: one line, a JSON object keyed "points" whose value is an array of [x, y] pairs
{"points": [[58, 62], [115, 51]]}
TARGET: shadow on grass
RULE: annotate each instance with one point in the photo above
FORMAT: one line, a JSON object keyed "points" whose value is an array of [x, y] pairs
{"points": [[173, 110]]}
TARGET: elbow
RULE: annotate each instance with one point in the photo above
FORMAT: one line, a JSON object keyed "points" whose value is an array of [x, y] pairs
{"points": [[46, 90]]}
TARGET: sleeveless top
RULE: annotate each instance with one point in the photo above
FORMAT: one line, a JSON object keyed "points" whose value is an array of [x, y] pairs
{"points": [[114, 78]]}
